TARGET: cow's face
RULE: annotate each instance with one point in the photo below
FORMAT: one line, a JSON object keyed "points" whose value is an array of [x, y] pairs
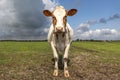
{"points": [[59, 16]]}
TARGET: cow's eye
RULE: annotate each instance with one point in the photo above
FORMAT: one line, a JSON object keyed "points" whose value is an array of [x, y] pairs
{"points": [[53, 17], [65, 16], [65, 20]]}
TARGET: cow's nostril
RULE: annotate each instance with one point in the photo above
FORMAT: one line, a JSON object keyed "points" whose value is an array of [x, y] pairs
{"points": [[59, 28]]}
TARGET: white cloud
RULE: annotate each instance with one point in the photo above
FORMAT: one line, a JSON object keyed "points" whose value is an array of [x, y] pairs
{"points": [[99, 34], [50, 4], [46, 30], [83, 27], [83, 31]]}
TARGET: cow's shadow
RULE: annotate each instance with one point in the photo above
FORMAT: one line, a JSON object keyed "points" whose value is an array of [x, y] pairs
{"points": [[60, 62]]}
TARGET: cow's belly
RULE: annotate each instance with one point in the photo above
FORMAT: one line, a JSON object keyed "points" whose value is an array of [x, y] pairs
{"points": [[60, 46], [60, 42]]}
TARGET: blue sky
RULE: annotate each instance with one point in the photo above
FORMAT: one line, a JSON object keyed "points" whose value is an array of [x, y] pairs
{"points": [[93, 10]]}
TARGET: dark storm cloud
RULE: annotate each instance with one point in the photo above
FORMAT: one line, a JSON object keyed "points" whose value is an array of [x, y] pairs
{"points": [[115, 16], [103, 20], [23, 19]]}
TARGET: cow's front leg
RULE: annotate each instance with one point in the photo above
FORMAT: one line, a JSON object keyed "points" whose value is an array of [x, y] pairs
{"points": [[55, 73], [65, 58]]}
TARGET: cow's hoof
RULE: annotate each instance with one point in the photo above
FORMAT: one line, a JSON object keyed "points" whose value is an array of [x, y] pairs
{"points": [[55, 73], [66, 73]]}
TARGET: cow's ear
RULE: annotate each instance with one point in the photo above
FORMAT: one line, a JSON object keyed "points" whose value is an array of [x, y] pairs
{"points": [[47, 13], [72, 12]]}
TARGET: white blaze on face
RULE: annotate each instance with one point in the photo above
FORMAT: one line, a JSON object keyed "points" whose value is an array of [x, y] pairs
{"points": [[59, 14]]}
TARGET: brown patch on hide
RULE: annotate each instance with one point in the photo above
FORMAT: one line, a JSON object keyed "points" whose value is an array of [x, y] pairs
{"points": [[54, 20]]}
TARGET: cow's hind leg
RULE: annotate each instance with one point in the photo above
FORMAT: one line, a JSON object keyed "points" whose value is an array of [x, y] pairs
{"points": [[55, 73]]}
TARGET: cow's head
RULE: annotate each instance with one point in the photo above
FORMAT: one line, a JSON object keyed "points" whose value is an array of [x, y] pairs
{"points": [[59, 16]]}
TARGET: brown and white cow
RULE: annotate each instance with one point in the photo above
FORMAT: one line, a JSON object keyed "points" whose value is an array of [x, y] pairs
{"points": [[60, 35]]}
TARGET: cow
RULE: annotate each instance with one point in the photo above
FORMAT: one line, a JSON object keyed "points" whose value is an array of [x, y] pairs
{"points": [[60, 35]]}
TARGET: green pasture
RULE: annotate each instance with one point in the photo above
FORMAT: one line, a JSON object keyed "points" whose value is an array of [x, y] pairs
{"points": [[106, 51], [24, 52]]}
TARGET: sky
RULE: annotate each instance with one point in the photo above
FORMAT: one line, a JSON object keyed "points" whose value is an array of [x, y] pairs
{"points": [[95, 19]]}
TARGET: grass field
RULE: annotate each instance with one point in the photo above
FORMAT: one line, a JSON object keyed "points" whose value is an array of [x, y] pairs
{"points": [[32, 61]]}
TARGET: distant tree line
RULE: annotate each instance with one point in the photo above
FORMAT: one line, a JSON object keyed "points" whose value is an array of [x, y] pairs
{"points": [[23, 40], [77, 40], [92, 40]]}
